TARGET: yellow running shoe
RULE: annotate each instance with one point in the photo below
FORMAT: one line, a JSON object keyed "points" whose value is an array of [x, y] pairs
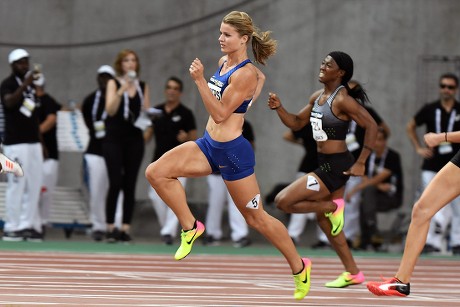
{"points": [[346, 279], [187, 239], [302, 280], [337, 217]]}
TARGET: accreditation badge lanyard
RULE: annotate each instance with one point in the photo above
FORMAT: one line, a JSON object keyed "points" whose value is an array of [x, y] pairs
{"points": [[350, 139], [28, 104], [371, 168], [126, 100], [99, 125], [445, 147]]}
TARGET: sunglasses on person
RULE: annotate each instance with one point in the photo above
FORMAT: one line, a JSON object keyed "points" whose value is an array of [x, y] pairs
{"points": [[450, 87]]}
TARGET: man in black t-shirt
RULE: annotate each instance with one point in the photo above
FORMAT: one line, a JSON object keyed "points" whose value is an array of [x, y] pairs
{"points": [[22, 143], [173, 126], [442, 115]]}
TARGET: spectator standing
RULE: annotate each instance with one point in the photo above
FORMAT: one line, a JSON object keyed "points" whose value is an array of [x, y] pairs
{"points": [[123, 145], [174, 126], [22, 143], [95, 169]]}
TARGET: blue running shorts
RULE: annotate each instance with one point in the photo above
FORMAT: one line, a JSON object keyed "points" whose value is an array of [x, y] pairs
{"points": [[234, 160]]}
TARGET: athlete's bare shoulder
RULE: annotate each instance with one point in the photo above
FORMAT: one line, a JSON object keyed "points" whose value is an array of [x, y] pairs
{"points": [[222, 60], [314, 96]]}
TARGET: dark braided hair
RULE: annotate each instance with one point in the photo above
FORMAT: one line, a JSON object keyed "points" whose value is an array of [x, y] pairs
{"points": [[345, 63]]}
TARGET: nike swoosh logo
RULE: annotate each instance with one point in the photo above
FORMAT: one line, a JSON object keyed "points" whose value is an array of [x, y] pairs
{"points": [[306, 279], [348, 280], [189, 242], [312, 184], [334, 230], [222, 166], [387, 286]]}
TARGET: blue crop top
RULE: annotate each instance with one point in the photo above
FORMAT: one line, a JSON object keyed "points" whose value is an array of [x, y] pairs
{"points": [[218, 83], [325, 125]]}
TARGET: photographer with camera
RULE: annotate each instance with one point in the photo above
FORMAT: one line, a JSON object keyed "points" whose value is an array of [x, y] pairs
{"points": [[22, 143]]}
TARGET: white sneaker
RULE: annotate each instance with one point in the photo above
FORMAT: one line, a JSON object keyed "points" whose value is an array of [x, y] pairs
{"points": [[9, 166]]}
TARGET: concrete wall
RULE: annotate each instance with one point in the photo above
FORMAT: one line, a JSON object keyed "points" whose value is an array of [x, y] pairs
{"points": [[389, 40]]}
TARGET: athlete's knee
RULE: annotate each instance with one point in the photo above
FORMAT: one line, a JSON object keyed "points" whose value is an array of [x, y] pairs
{"points": [[251, 220], [256, 221], [253, 213], [154, 173], [420, 212]]}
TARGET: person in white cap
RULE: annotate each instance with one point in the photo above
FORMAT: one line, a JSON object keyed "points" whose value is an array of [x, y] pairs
{"points": [[22, 143], [96, 178]]}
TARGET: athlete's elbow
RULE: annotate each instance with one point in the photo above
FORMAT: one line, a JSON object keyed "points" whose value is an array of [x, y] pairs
{"points": [[218, 118]]}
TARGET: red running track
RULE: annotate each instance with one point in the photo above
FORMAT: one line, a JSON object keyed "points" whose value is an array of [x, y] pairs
{"points": [[65, 279]]}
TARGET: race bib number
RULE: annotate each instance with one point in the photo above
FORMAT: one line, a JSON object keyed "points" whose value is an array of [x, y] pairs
{"points": [[216, 91], [316, 122], [254, 203]]}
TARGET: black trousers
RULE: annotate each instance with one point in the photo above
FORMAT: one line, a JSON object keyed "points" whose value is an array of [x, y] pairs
{"points": [[373, 201], [123, 158]]}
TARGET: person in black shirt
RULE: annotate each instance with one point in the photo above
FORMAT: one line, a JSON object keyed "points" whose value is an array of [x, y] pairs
{"points": [[47, 116], [123, 146], [174, 126], [442, 115], [96, 178], [22, 143]]}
